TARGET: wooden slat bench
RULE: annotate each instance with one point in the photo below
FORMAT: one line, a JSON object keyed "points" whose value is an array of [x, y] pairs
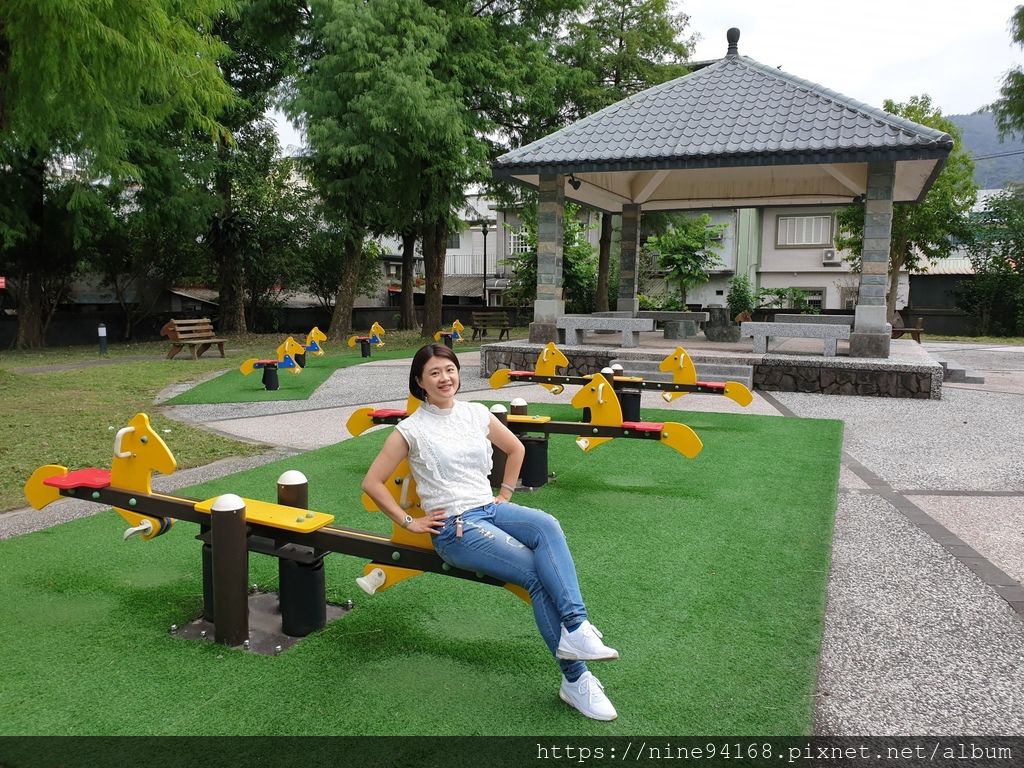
{"points": [[195, 334], [484, 319], [829, 333], [915, 332]]}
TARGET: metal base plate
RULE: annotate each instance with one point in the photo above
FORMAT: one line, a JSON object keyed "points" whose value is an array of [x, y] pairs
{"points": [[265, 635]]}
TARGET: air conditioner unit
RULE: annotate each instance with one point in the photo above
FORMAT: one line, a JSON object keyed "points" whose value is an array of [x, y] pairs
{"points": [[829, 258]]}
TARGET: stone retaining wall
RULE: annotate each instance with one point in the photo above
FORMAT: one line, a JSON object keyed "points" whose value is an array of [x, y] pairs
{"points": [[784, 376]]}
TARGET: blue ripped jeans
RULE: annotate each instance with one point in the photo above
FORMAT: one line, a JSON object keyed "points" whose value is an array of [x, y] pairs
{"points": [[521, 546]]}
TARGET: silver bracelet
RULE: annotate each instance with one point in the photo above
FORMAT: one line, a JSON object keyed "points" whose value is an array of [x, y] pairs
{"points": [[506, 485]]}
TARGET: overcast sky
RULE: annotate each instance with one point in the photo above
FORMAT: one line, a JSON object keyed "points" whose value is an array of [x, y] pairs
{"points": [[872, 50], [869, 50]]}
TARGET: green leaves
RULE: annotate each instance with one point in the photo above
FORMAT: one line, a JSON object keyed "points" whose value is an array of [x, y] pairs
{"points": [[686, 251]]}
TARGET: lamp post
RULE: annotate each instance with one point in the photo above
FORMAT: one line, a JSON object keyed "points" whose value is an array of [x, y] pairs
{"points": [[484, 228]]}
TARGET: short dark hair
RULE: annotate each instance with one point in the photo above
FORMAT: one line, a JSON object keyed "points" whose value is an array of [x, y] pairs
{"points": [[419, 362]]}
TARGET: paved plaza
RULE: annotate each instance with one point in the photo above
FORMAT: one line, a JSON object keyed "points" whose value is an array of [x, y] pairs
{"points": [[924, 626]]}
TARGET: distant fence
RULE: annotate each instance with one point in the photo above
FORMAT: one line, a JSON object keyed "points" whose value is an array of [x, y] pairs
{"points": [[80, 328]]}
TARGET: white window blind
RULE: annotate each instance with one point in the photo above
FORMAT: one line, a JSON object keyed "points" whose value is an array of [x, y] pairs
{"points": [[796, 231]]}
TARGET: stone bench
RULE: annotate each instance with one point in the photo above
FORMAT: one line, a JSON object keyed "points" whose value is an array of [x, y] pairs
{"points": [[676, 325], [822, 319], [572, 329], [829, 333]]}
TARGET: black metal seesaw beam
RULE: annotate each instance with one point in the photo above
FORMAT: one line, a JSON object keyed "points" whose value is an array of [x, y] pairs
{"points": [[343, 541]]}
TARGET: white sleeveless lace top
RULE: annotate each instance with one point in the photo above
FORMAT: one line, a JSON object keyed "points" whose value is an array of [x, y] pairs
{"points": [[450, 456]]}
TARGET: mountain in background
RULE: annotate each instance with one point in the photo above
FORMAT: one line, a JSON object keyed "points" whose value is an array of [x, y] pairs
{"points": [[981, 139]]}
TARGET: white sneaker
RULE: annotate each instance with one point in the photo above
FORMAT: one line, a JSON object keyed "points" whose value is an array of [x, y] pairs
{"points": [[584, 644], [587, 695]]}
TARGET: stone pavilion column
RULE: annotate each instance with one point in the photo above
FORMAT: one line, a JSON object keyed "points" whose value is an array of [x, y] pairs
{"points": [[872, 333], [550, 303], [629, 252]]}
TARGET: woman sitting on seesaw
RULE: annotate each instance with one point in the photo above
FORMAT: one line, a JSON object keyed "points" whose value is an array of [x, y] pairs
{"points": [[449, 444]]}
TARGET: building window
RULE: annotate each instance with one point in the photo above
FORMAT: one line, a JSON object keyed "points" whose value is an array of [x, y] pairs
{"points": [[518, 242], [803, 231], [815, 297], [454, 241]]}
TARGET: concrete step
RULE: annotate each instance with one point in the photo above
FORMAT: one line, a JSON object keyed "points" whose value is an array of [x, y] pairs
{"points": [[953, 372], [648, 369]]}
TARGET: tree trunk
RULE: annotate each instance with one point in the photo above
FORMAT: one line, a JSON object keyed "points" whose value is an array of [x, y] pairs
{"points": [[407, 319], [604, 262], [341, 318], [32, 302], [897, 258], [435, 239], [231, 273]]}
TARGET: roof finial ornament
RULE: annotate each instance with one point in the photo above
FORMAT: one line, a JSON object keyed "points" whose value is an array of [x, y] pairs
{"points": [[733, 36]]}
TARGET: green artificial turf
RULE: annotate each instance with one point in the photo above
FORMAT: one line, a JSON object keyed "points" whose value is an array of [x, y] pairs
{"points": [[234, 387], [708, 575]]}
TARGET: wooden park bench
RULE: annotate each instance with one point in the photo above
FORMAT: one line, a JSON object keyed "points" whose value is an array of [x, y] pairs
{"points": [[915, 333], [195, 334], [484, 319]]}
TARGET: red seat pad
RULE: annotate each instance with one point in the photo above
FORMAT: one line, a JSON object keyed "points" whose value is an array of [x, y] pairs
{"points": [[643, 426], [80, 478], [711, 384], [522, 373], [386, 413]]}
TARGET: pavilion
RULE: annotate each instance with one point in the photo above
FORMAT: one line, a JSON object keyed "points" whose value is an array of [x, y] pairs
{"points": [[733, 134]]}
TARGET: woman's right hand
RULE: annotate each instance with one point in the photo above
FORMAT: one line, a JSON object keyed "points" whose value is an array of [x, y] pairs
{"points": [[431, 522]]}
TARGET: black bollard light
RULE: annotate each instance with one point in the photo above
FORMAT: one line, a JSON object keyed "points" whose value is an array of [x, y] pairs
{"points": [[101, 330]]}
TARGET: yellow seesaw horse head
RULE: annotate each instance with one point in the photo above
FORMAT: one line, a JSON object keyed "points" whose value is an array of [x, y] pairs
{"points": [[313, 339], [550, 359], [599, 396], [138, 452]]}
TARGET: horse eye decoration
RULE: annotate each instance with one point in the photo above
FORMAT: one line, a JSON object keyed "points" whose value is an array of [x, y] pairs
{"points": [[144, 439]]}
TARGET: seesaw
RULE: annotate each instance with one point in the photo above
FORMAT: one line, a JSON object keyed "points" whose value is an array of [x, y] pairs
{"points": [[312, 345], [678, 363], [288, 356], [452, 336], [606, 422], [231, 526], [375, 338]]}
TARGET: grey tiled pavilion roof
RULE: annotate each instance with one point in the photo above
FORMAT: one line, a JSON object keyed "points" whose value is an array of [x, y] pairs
{"points": [[735, 113]]}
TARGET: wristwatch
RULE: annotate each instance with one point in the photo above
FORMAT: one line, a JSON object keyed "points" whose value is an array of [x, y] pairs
{"points": [[407, 522]]}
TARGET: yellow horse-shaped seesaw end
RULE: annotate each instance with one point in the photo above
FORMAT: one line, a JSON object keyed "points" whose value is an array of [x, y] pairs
{"points": [[550, 359], [38, 494], [683, 371], [138, 452], [681, 438], [738, 393], [599, 396], [500, 378]]}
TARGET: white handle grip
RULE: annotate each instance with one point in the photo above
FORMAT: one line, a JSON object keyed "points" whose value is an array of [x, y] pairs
{"points": [[117, 443]]}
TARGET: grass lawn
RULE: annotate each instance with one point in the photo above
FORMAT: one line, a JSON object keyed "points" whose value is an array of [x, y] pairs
{"points": [[708, 575], [69, 416]]}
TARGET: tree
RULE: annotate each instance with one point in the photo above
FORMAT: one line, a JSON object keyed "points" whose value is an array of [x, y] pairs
{"points": [[75, 79], [921, 232], [1009, 107], [263, 38], [995, 295], [686, 251], [614, 49]]}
